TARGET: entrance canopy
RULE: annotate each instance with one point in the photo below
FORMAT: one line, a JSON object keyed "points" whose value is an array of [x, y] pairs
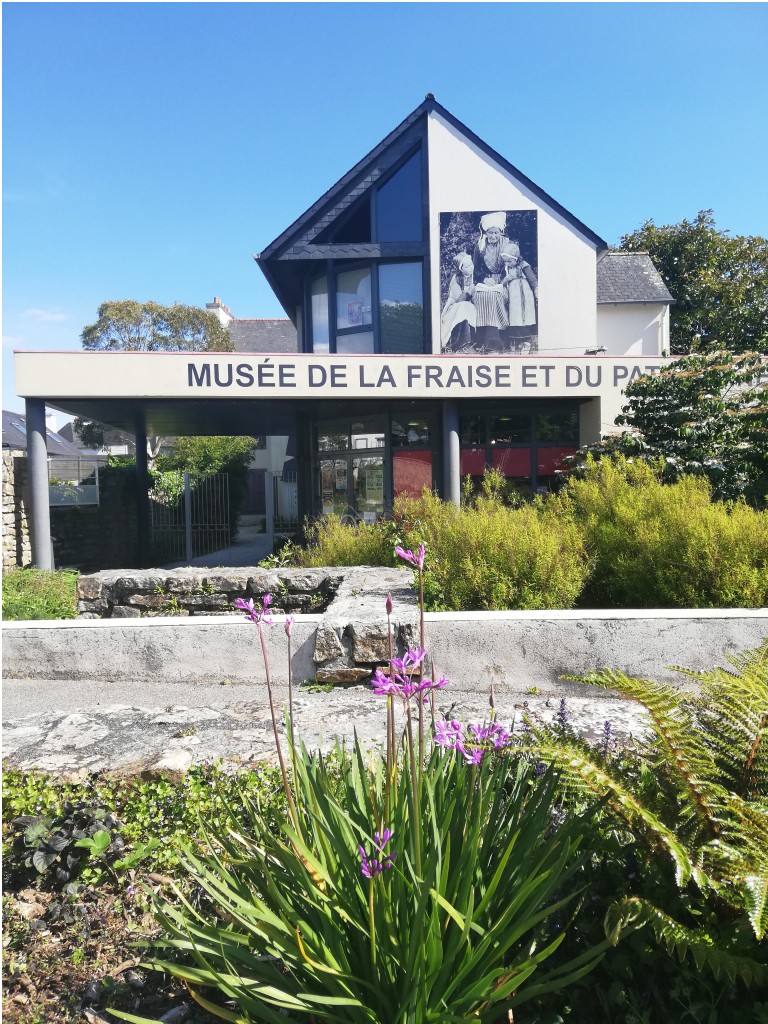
{"points": [[214, 393]]}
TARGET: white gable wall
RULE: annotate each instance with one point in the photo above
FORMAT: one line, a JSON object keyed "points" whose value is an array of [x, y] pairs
{"points": [[635, 329], [463, 178]]}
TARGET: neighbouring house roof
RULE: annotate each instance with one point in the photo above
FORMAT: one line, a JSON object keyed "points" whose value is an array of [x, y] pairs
{"points": [[267, 335], [624, 277], [15, 437]]}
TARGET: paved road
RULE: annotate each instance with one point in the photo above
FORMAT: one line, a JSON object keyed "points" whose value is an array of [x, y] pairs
{"points": [[73, 727]]}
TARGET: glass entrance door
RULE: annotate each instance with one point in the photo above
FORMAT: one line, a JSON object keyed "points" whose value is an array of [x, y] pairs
{"points": [[350, 467]]}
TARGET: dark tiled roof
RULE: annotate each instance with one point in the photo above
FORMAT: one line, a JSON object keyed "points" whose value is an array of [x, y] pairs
{"points": [[355, 182], [15, 437], [263, 335], [629, 277]]}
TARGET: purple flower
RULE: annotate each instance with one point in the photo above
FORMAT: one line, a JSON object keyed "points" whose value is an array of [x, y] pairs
{"points": [[371, 867], [474, 755], [254, 612], [563, 716], [408, 556], [389, 604], [289, 620], [449, 734], [384, 686]]}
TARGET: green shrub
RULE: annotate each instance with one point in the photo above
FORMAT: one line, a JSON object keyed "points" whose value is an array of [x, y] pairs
{"points": [[332, 543], [665, 545], [486, 555], [39, 594]]}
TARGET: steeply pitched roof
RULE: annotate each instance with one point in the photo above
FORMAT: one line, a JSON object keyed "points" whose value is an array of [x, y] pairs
{"points": [[356, 180], [629, 277], [15, 437], [271, 335]]}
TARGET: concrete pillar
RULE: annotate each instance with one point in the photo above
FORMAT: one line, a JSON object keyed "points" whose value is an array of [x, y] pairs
{"points": [[142, 495], [451, 453], [39, 514]]}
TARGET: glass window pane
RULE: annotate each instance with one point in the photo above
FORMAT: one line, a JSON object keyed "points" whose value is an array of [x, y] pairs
{"points": [[510, 429], [353, 298], [320, 325], [412, 472], [398, 204], [332, 437], [357, 343], [410, 433], [472, 430], [368, 475], [334, 496], [368, 433], [558, 426], [515, 462], [401, 309]]}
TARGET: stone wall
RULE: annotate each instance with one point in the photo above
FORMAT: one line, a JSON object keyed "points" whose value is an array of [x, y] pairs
{"points": [[84, 537], [16, 546], [349, 640], [117, 594]]}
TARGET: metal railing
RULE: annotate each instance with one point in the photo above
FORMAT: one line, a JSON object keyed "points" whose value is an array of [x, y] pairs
{"points": [[190, 516]]}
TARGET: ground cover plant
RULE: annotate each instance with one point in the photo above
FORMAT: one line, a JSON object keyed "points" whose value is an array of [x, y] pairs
{"points": [[37, 594], [71, 921]]}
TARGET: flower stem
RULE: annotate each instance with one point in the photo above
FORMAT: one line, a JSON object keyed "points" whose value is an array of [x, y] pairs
{"points": [[371, 923], [286, 787]]}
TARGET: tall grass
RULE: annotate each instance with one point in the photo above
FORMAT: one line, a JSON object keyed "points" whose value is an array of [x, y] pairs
{"points": [[37, 594]]}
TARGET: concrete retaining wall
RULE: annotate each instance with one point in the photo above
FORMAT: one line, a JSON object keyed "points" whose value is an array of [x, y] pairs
{"points": [[516, 650]]}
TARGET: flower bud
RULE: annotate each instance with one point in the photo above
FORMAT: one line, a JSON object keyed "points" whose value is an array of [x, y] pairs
{"points": [[288, 625], [389, 604]]}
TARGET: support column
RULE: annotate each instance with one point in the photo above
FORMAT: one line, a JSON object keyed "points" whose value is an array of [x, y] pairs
{"points": [[39, 514], [142, 495], [451, 453]]}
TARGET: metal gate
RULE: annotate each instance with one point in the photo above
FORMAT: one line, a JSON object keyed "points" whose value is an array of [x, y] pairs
{"points": [[190, 517]]}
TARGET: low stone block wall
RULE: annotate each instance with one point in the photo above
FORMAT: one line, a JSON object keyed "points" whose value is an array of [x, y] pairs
{"points": [[119, 594], [349, 640]]}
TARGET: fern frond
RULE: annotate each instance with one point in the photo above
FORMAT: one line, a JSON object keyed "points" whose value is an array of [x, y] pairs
{"points": [[634, 912], [679, 743], [585, 773], [756, 891], [734, 716]]}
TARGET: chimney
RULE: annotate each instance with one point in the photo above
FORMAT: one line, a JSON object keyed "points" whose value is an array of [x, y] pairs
{"points": [[221, 311]]}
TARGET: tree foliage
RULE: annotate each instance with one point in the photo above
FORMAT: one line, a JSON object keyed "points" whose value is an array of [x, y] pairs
{"points": [[704, 414], [719, 283], [127, 325]]}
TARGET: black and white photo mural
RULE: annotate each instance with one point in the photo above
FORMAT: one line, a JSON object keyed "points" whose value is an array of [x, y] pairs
{"points": [[489, 282]]}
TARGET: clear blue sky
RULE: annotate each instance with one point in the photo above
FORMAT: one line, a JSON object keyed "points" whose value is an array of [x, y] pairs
{"points": [[150, 148]]}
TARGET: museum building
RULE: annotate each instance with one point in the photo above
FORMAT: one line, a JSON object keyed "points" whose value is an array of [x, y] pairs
{"points": [[448, 315]]}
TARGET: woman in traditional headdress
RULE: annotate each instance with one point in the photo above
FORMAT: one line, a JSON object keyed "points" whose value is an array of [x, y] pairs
{"points": [[459, 316], [490, 296]]}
